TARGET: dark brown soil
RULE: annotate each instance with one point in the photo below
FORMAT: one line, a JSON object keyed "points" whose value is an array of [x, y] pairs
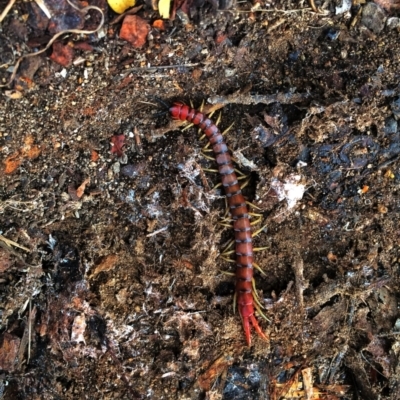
{"points": [[119, 290]]}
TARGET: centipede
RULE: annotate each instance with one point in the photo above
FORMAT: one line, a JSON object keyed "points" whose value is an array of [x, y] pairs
{"points": [[245, 296]]}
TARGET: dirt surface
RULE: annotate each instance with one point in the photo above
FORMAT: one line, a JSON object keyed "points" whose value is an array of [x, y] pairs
{"points": [[117, 288]]}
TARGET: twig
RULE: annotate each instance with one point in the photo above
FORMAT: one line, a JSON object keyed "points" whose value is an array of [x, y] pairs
{"points": [[300, 282], [26, 337], [7, 9], [10, 243], [264, 10], [150, 67], [31, 318], [157, 231], [55, 37], [239, 98]]}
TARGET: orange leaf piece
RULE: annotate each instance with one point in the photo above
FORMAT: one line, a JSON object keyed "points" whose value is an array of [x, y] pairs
{"points": [[118, 141], [12, 163], [94, 156], [81, 188], [159, 24], [29, 150], [62, 54], [134, 30]]}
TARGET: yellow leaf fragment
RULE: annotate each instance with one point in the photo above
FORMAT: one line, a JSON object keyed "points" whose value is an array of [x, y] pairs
{"points": [[163, 8], [120, 6]]}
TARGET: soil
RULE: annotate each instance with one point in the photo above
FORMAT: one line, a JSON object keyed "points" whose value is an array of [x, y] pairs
{"points": [[112, 283]]}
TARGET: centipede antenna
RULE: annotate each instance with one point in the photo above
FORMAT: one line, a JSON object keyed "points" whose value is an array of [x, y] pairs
{"points": [[258, 231], [160, 114], [160, 101], [147, 102], [259, 269]]}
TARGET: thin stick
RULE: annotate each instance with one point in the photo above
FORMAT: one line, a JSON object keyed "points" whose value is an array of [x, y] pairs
{"points": [[10, 243], [157, 231], [7, 9], [248, 99], [161, 67], [264, 10], [29, 329]]}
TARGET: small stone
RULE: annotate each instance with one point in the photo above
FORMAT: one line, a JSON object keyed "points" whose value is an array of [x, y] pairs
{"points": [[373, 17], [393, 23], [390, 126]]}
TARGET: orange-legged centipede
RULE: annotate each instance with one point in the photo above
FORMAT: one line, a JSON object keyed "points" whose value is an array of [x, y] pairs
{"points": [[239, 212]]}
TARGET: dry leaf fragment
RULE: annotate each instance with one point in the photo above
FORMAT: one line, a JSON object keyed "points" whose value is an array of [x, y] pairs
{"points": [[220, 365], [94, 156], [106, 264], [8, 351], [159, 24], [118, 142], [81, 188], [13, 94], [29, 150], [5, 261], [62, 54], [12, 163], [308, 383], [78, 329], [134, 30]]}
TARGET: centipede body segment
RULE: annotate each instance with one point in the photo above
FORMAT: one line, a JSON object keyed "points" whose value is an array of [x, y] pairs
{"points": [[239, 212]]}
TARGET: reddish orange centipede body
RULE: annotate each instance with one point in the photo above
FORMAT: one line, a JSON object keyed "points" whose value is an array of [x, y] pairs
{"points": [[239, 211]]}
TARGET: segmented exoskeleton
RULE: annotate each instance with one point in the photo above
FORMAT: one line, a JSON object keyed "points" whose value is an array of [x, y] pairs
{"points": [[239, 211]]}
